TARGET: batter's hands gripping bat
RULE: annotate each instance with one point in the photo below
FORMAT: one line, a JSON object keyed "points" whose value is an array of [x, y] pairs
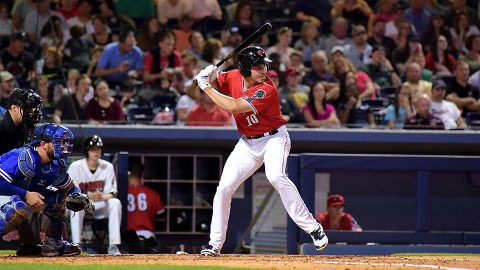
{"points": [[247, 42]]}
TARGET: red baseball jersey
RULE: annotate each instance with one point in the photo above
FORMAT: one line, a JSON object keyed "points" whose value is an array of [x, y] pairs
{"points": [[347, 222], [263, 98], [143, 204]]}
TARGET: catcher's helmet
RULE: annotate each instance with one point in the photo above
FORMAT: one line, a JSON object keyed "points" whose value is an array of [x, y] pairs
{"points": [[251, 57], [92, 141], [60, 136], [30, 103]]}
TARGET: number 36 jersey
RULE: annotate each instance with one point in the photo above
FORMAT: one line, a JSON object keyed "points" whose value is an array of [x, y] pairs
{"points": [[262, 98]]}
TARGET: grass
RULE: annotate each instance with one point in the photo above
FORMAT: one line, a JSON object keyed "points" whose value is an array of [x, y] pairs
{"points": [[438, 254], [28, 266]]}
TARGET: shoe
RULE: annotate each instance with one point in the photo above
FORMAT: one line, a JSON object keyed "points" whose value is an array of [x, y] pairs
{"points": [[113, 250], [210, 251], [24, 250], [320, 239], [52, 248]]}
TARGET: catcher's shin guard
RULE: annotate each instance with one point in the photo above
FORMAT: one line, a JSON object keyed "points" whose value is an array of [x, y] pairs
{"points": [[59, 247], [13, 213]]}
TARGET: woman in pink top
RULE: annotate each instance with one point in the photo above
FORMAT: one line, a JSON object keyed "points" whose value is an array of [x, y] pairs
{"points": [[364, 84], [317, 112], [104, 108]]}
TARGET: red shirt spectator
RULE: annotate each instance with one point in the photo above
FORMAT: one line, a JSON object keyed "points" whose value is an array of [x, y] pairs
{"points": [[206, 113], [334, 218]]}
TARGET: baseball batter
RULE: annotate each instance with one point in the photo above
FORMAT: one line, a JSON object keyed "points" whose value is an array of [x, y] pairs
{"points": [[253, 99], [97, 178]]}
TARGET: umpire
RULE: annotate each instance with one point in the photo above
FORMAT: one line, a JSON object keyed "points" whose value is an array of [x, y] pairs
{"points": [[16, 127]]}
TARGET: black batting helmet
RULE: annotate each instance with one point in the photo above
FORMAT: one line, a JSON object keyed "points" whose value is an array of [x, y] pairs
{"points": [[30, 103], [251, 57], [92, 141]]}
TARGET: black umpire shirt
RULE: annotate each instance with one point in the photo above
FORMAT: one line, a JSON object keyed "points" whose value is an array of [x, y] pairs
{"points": [[11, 136]]}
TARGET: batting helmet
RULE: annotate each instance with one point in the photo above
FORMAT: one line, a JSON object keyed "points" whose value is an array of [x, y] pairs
{"points": [[60, 136], [30, 103], [92, 141], [251, 57]]}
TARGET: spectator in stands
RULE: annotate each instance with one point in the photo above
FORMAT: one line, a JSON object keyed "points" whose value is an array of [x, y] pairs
{"points": [[145, 208], [378, 37], [7, 82], [446, 110], [197, 42], [40, 16], [402, 56], [186, 103], [206, 113], [116, 23], [463, 94], [182, 34], [319, 73], [78, 49], [296, 62], [207, 15], [172, 9], [309, 42], [41, 88], [52, 36], [317, 112], [401, 109], [103, 108], [439, 60], [211, 52], [472, 57], [419, 58], [95, 55], [84, 18], [358, 50], [102, 35], [20, 10], [351, 112], [137, 10], [384, 11], [6, 24], [459, 7], [189, 69], [380, 70], [162, 64], [414, 81], [348, 74], [418, 15], [119, 59], [64, 111], [297, 92], [96, 177], [358, 12], [460, 31], [17, 61], [308, 10], [68, 8], [290, 111], [423, 119], [403, 37], [436, 28], [232, 39], [392, 28], [245, 18], [335, 218], [282, 47], [338, 37]]}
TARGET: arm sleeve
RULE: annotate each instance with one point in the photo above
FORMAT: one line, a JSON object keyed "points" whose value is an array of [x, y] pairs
{"points": [[9, 171], [222, 83], [103, 62]]}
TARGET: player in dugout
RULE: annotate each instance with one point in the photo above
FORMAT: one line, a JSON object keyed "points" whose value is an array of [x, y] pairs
{"points": [[253, 99]]}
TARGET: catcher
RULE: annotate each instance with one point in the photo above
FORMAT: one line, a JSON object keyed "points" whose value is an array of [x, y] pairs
{"points": [[36, 179]]}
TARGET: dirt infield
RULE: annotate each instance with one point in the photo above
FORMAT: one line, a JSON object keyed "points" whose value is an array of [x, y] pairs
{"points": [[282, 262]]}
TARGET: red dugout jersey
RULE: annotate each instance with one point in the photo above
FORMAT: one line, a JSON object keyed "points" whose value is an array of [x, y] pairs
{"points": [[263, 98], [143, 204]]}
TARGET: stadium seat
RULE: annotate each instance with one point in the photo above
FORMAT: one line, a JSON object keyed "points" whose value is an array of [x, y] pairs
{"points": [[473, 120], [388, 92], [163, 101], [140, 115], [376, 104]]}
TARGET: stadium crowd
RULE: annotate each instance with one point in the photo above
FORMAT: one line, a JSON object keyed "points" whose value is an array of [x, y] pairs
{"points": [[338, 63]]}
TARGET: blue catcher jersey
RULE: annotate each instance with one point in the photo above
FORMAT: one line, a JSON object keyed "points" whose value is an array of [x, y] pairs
{"points": [[22, 167]]}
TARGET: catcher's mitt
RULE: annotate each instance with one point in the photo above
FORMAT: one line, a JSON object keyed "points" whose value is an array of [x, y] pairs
{"points": [[78, 201]]}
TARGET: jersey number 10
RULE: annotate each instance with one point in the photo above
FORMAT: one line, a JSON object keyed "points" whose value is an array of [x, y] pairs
{"points": [[252, 119], [140, 201]]}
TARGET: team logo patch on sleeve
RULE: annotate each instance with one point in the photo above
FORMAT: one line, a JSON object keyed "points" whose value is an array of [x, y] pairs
{"points": [[259, 94]]}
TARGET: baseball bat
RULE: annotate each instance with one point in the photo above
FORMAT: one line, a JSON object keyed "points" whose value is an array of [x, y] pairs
{"points": [[265, 28]]}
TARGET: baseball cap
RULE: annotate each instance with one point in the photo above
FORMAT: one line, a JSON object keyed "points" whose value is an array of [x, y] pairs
{"points": [[335, 200], [272, 73], [439, 84], [292, 72], [337, 49], [5, 76]]}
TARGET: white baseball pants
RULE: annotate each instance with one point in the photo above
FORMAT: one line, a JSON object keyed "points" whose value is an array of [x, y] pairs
{"points": [[111, 209], [247, 156]]}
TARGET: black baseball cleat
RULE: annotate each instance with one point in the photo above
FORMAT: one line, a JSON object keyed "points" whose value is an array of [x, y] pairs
{"points": [[210, 251], [320, 239], [52, 248], [25, 250]]}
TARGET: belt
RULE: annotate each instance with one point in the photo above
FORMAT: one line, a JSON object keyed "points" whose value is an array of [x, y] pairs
{"points": [[272, 132]]}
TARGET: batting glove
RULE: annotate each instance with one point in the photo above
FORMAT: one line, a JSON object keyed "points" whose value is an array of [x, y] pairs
{"points": [[204, 76]]}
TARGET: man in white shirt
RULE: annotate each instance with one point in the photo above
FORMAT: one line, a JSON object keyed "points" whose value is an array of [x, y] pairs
{"points": [[446, 110]]}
